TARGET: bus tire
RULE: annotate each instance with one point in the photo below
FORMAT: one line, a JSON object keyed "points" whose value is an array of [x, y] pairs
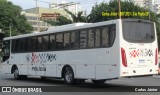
{"points": [[43, 78], [23, 77], [69, 76], [98, 81], [16, 74], [79, 81]]}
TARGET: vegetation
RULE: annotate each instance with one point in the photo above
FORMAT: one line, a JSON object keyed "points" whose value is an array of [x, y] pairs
{"points": [[78, 17], [60, 21], [112, 7], [10, 15]]}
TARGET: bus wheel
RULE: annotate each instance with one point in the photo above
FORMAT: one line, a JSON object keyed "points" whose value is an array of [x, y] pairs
{"points": [[98, 81], [43, 78], [69, 75], [79, 81], [16, 74], [23, 77]]}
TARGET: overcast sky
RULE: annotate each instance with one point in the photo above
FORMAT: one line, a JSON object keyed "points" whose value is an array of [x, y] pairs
{"points": [[26, 4]]}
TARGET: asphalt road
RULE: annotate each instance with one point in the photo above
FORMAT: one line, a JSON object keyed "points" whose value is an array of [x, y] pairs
{"points": [[110, 86]]}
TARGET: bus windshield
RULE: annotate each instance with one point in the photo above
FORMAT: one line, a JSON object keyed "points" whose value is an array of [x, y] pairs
{"points": [[138, 31], [6, 50]]}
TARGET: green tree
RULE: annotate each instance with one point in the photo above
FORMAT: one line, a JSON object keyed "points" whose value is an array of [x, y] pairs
{"points": [[60, 21], [112, 7], [10, 15], [158, 28], [77, 18]]}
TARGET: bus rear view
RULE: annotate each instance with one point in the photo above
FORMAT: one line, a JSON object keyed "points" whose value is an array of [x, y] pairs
{"points": [[139, 50]]}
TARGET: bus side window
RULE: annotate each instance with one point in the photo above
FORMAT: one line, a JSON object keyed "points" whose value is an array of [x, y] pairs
{"points": [[13, 46], [34, 44], [28, 48], [59, 41], [97, 37], [18, 44], [105, 36], [74, 39], [83, 39], [91, 34], [66, 40], [45, 42], [39, 44], [23, 43], [52, 41], [112, 34]]}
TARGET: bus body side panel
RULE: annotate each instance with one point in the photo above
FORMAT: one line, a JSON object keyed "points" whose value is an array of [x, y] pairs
{"points": [[6, 67], [61, 61], [92, 63], [20, 61], [34, 63], [111, 67]]}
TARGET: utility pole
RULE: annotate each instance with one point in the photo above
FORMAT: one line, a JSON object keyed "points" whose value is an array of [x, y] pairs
{"points": [[37, 14], [119, 8], [10, 30], [149, 11]]}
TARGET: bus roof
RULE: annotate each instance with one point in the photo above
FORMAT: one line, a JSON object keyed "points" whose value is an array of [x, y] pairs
{"points": [[68, 27]]}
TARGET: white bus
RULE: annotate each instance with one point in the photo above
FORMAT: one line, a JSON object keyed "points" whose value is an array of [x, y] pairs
{"points": [[97, 51]]}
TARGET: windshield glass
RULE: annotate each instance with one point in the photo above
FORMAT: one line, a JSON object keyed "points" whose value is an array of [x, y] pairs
{"points": [[138, 31], [6, 48]]}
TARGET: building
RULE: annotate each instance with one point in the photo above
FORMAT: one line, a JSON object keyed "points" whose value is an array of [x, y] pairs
{"points": [[33, 19], [152, 5], [140, 3], [157, 8], [38, 16]]}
